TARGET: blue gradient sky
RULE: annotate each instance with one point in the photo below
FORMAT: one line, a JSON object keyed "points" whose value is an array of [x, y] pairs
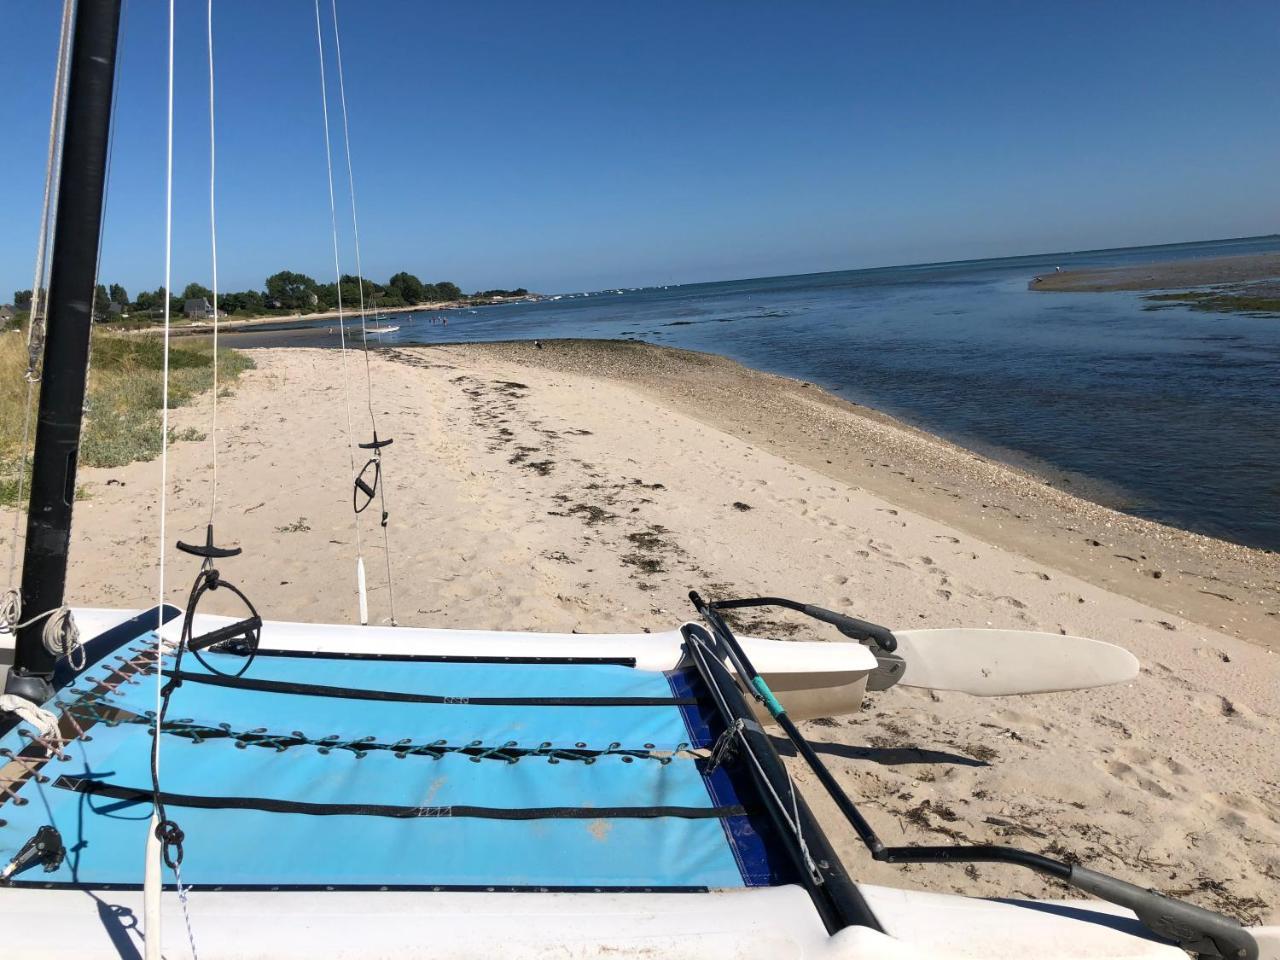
{"points": [[566, 146]]}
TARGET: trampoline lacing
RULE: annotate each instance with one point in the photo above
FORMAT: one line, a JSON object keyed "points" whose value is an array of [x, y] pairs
{"points": [[94, 707]]}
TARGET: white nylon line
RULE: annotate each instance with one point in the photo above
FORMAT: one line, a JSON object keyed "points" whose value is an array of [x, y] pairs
{"points": [[13, 597], [213, 243], [364, 333], [355, 221], [337, 269], [152, 876], [164, 390]]}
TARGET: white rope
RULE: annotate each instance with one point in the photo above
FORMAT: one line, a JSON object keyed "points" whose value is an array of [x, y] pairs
{"points": [[57, 129], [364, 331], [10, 608], [355, 220], [60, 635], [213, 243], [337, 269], [38, 717], [153, 878], [184, 900], [11, 611]]}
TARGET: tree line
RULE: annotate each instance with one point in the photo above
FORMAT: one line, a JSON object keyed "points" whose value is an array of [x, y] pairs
{"points": [[283, 292]]}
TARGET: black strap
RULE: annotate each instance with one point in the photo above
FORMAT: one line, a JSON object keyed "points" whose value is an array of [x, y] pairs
{"points": [[392, 696], [270, 805], [445, 658]]}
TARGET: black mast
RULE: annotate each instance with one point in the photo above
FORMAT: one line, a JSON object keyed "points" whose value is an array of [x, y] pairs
{"points": [[72, 279]]}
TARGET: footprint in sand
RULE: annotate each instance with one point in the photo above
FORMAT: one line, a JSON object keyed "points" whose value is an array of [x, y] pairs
{"points": [[1128, 775]]}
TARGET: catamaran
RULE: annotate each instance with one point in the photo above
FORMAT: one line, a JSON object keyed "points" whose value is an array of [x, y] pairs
{"points": [[175, 781]]}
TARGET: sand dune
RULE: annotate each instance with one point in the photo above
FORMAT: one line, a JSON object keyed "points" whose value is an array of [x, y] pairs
{"points": [[524, 496]]}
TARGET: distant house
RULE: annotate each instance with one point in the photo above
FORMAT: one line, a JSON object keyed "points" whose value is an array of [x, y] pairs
{"points": [[198, 308], [7, 312]]}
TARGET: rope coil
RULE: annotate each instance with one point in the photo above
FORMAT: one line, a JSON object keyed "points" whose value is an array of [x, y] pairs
{"points": [[61, 635]]}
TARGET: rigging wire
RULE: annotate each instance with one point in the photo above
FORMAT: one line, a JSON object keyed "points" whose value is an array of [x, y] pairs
{"points": [[213, 244], [364, 331], [164, 834], [11, 605], [153, 880], [342, 329], [102, 220]]}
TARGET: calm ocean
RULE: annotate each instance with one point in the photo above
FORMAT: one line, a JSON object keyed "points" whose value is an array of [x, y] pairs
{"points": [[1170, 414]]}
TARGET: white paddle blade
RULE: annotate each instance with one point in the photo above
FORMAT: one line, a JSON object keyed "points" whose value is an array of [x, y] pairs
{"points": [[997, 663], [1268, 939]]}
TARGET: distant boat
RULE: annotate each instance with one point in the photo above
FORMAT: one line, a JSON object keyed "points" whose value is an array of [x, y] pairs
{"points": [[385, 328]]}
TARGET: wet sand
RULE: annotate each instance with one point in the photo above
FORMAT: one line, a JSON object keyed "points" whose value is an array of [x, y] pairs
{"points": [[587, 486], [1165, 275], [1220, 585]]}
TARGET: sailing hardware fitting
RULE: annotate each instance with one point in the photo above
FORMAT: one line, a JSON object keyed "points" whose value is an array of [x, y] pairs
{"points": [[363, 486], [45, 847]]}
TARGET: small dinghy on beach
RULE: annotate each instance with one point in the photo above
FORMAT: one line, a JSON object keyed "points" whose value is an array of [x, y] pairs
{"points": [[175, 782]]}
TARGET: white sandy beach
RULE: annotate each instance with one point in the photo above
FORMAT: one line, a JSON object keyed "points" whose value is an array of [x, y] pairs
{"points": [[524, 497]]}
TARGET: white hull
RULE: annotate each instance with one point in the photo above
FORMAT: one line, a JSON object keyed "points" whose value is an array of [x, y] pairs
{"points": [[772, 923], [813, 679]]}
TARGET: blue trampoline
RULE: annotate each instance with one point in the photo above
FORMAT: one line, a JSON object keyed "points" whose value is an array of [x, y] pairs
{"points": [[345, 772]]}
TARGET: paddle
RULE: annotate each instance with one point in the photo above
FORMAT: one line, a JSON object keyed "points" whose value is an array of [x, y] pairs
{"points": [[997, 663], [984, 663]]}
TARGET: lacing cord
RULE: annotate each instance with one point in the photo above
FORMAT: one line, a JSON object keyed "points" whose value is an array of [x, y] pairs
{"points": [[61, 636]]}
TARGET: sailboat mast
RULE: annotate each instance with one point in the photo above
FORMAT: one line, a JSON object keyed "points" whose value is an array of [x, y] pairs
{"points": [[72, 280]]}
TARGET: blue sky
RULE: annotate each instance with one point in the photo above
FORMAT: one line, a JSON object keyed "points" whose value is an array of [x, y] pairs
{"points": [[566, 146]]}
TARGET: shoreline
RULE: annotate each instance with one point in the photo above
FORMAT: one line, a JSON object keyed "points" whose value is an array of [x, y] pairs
{"points": [[1216, 583], [237, 325]]}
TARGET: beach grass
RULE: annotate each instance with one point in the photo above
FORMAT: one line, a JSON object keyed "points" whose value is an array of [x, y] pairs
{"points": [[126, 395]]}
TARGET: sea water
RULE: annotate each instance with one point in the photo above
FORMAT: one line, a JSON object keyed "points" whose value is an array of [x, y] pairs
{"points": [[1171, 414]]}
